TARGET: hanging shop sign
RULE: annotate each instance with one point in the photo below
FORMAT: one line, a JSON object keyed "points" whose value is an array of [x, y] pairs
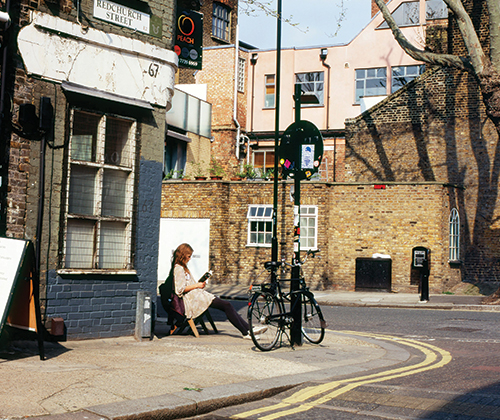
{"points": [[189, 39], [301, 150]]}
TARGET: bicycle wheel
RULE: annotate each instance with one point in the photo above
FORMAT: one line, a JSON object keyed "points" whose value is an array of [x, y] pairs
{"points": [[313, 323], [264, 330]]}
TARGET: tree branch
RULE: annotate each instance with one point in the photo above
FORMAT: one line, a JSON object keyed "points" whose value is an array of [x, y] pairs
{"points": [[494, 12], [469, 35], [446, 60]]}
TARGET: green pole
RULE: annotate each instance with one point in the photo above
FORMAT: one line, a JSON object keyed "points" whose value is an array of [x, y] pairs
{"points": [[274, 240], [296, 330]]}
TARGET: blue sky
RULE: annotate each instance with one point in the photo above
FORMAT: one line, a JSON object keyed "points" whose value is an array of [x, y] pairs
{"points": [[317, 21]]}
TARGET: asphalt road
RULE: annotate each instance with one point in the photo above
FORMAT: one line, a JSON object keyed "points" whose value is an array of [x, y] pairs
{"points": [[453, 371]]}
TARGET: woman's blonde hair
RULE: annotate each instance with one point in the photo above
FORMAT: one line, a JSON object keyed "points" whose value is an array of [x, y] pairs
{"points": [[181, 255]]}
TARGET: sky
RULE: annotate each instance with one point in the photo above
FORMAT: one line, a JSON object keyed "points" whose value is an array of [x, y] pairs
{"points": [[317, 23]]}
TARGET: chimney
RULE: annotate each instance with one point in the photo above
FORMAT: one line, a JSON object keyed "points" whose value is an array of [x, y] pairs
{"points": [[375, 8]]}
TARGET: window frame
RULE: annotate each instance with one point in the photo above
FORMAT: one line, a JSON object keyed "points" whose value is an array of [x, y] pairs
{"points": [[309, 216], [221, 22], [102, 222], [454, 237], [319, 93], [269, 96], [266, 218], [399, 10], [407, 78], [357, 99], [265, 151], [241, 74]]}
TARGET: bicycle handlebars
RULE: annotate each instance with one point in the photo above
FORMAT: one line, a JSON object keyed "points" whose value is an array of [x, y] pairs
{"points": [[269, 265]]}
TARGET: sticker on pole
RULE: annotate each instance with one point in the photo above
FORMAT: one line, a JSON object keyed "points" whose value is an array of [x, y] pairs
{"points": [[301, 150]]}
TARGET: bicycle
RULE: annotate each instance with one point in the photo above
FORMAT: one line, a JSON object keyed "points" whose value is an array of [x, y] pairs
{"points": [[268, 314]]}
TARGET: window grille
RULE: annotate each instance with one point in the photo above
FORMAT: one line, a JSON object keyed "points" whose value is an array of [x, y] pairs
{"points": [[454, 235], [100, 191]]}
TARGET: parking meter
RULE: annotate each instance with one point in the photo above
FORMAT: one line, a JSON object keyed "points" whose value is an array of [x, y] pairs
{"points": [[420, 261]]}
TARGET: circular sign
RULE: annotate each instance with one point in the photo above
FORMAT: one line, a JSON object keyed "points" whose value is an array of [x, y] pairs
{"points": [[301, 150]]}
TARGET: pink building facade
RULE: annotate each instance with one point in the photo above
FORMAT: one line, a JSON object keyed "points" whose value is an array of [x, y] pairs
{"points": [[337, 81]]}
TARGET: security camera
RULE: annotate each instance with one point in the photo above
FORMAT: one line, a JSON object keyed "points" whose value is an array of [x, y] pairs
{"points": [[4, 20]]}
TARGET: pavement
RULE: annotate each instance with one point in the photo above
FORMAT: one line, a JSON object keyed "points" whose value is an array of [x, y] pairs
{"points": [[181, 376]]}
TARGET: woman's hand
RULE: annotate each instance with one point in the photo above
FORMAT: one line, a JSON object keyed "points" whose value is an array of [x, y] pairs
{"points": [[202, 285]]}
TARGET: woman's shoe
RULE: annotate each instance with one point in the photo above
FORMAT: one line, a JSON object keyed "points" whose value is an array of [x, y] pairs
{"points": [[259, 329]]}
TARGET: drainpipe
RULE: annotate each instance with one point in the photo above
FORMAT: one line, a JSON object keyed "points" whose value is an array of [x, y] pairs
{"points": [[235, 102], [323, 55]]}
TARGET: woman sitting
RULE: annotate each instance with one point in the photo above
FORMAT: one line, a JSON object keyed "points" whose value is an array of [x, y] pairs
{"points": [[196, 300]]}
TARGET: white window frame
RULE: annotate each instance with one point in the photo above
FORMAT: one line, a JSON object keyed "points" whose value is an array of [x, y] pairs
{"points": [[308, 223], [98, 259], [221, 22], [315, 86], [259, 213], [269, 98], [454, 236], [367, 76]]}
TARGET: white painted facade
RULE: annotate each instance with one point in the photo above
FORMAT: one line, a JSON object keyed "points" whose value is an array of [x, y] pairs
{"points": [[62, 51]]}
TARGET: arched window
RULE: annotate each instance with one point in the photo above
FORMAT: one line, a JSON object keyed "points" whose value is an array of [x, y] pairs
{"points": [[454, 235]]}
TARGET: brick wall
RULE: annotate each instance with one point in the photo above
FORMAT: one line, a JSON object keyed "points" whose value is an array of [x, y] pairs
{"points": [[355, 220], [435, 129], [99, 305]]}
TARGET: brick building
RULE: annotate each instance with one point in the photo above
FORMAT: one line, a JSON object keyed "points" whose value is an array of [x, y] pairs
{"points": [[419, 171], [348, 222], [99, 76], [435, 129]]}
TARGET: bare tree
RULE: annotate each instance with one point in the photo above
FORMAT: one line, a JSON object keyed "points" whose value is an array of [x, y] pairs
{"points": [[485, 68]]}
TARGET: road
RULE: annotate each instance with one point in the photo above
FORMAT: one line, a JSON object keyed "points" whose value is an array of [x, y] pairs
{"points": [[453, 371]]}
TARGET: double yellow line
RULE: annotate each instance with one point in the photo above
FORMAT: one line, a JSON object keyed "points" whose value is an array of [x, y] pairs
{"points": [[297, 403]]}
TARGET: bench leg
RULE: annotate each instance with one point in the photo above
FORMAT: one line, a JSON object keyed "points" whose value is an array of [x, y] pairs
{"points": [[193, 328]]}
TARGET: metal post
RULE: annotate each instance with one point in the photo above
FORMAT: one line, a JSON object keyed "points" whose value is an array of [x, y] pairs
{"points": [[274, 239], [296, 330]]}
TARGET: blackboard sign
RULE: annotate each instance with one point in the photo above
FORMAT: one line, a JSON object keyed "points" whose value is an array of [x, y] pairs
{"points": [[12, 255]]}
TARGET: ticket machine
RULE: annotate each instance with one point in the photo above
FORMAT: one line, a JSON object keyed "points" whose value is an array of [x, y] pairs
{"points": [[421, 261]]}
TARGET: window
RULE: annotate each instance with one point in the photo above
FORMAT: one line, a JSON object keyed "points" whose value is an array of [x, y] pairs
{"points": [[435, 9], [311, 85], [404, 74], [260, 225], [263, 160], [175, 158], [308, 227], [221, 21], [454, 236], [270, 90], [371, 82], [406, 14], [100, 191], [241, 74]]}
